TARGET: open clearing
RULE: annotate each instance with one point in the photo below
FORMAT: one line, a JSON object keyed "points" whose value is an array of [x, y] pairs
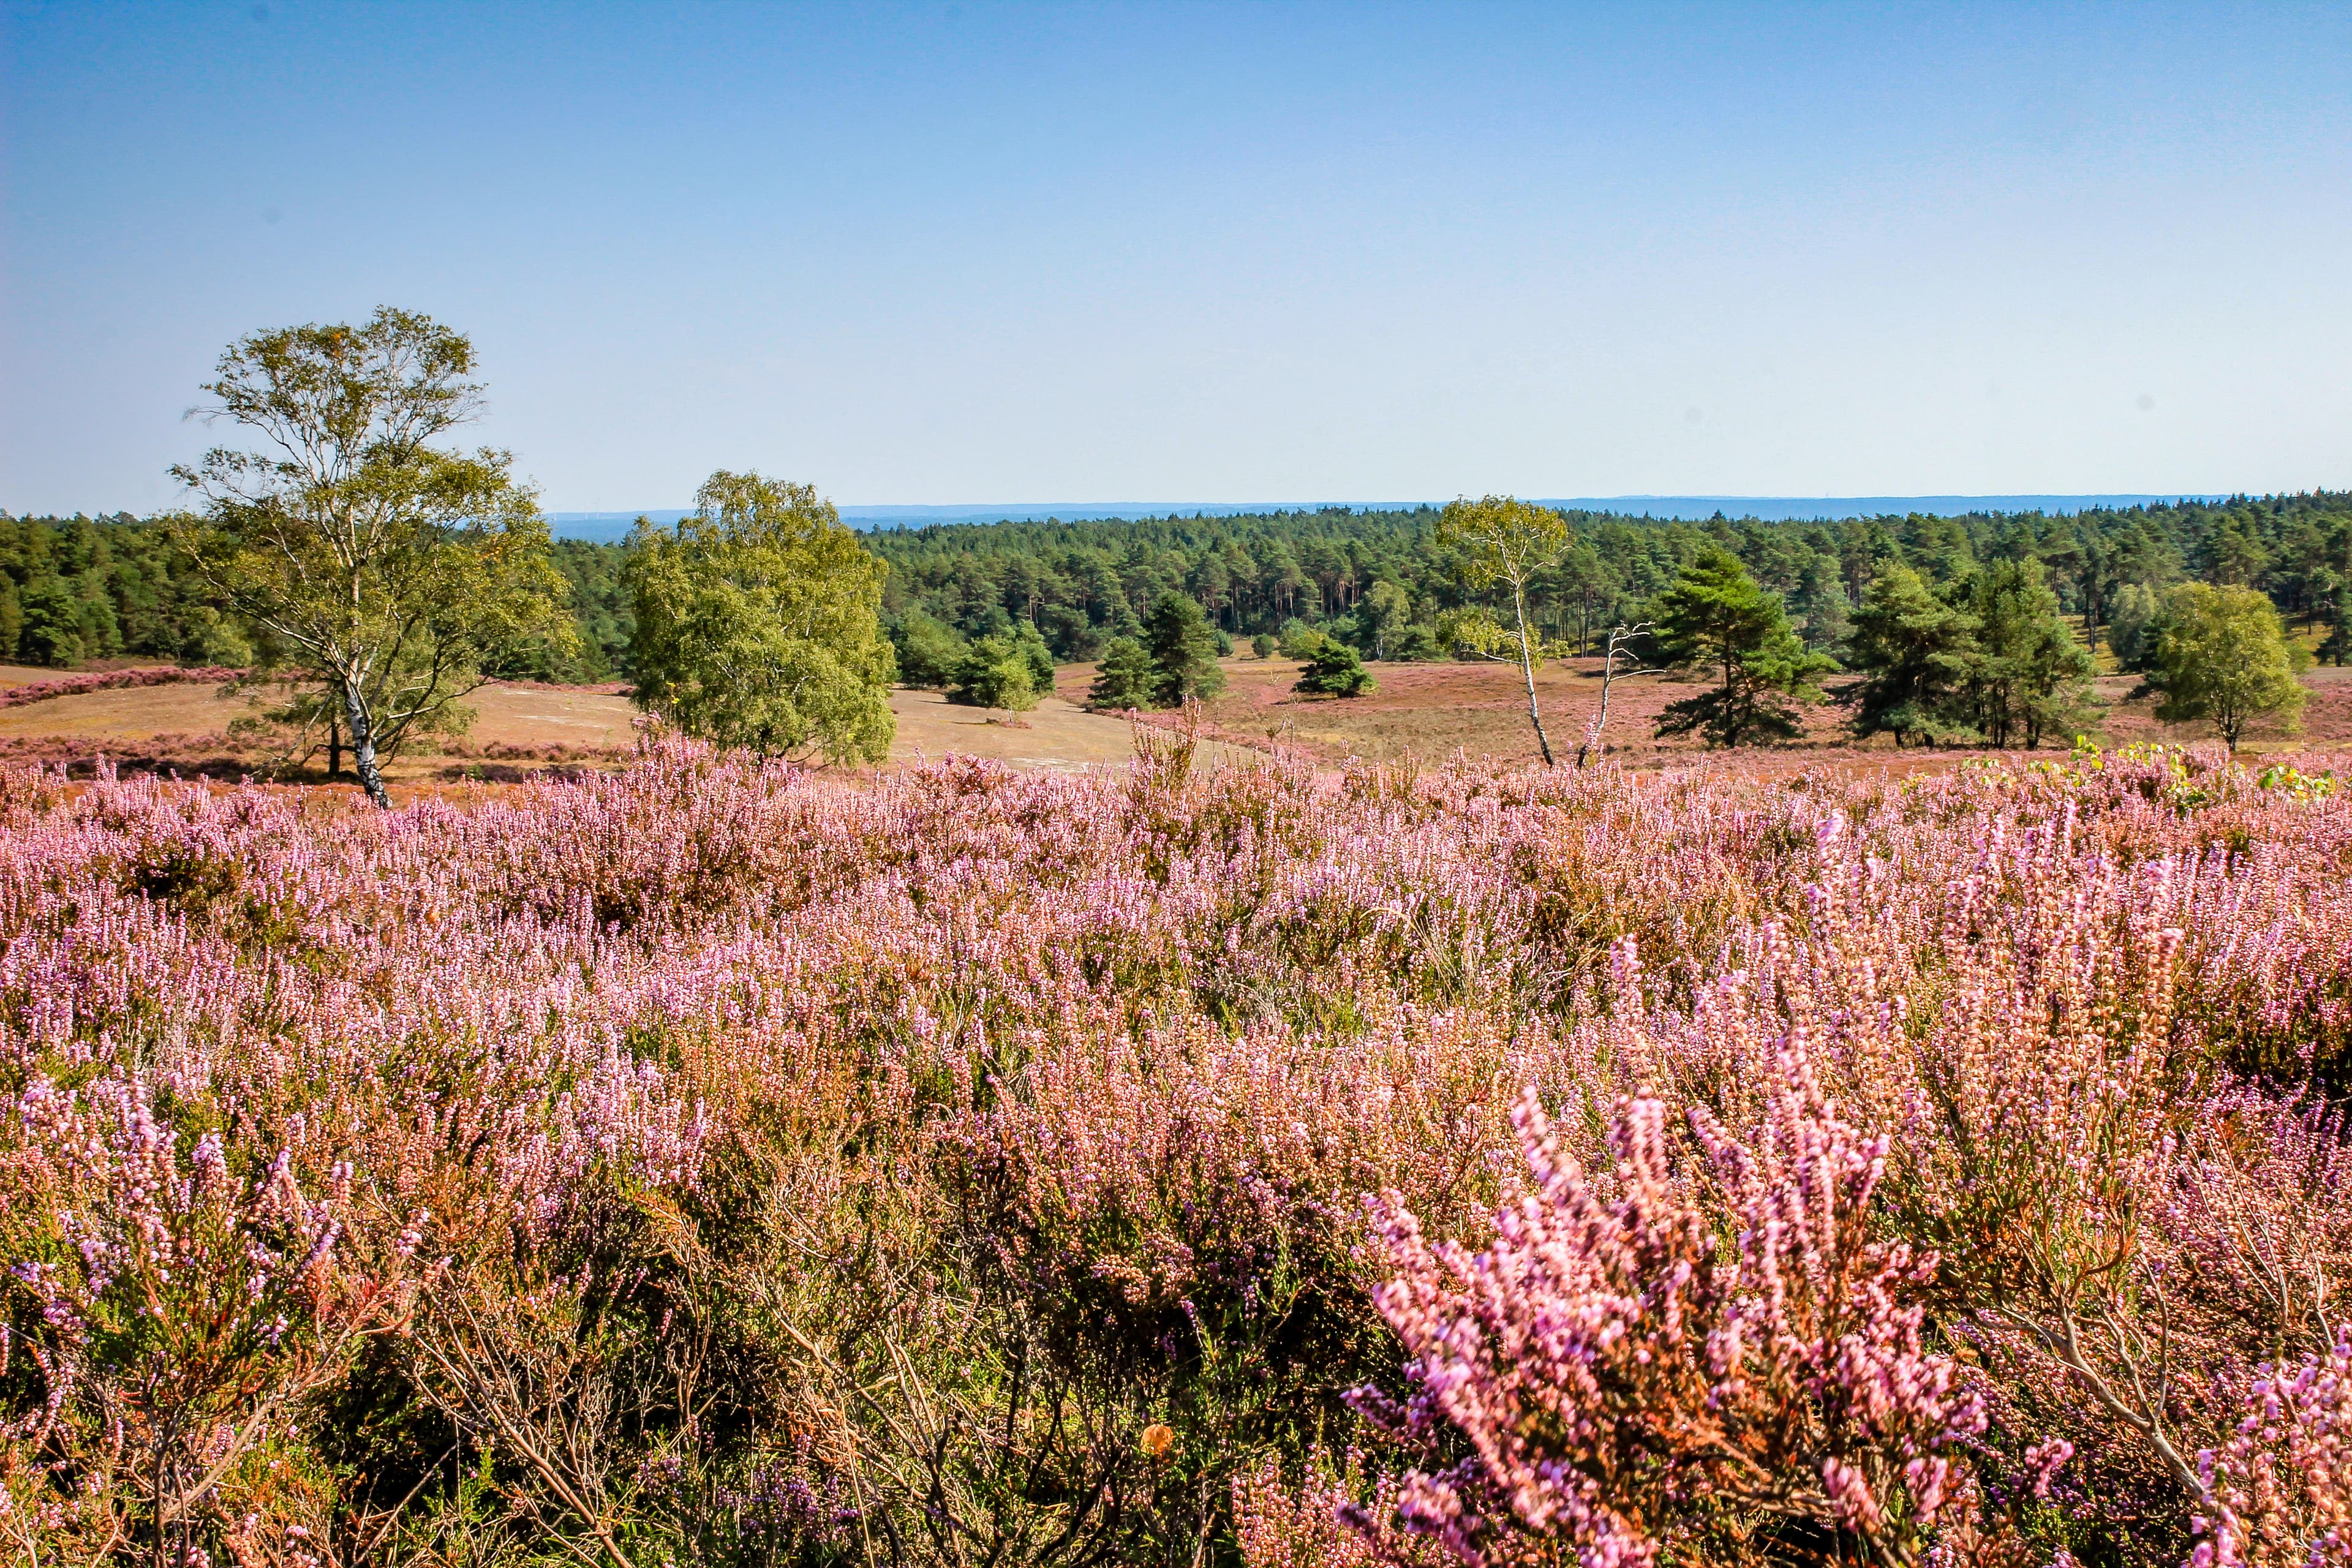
{"points": [[1434, 711], [1056, 735], [1428, 710], [191, 720], [506, 715]]}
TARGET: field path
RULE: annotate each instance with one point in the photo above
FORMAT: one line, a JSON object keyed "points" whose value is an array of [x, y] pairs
{"points": [[1057, 735]]}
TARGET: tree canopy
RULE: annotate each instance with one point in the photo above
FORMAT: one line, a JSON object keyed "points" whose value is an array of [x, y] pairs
{"points": [[1183, 651], [1332, 669], [2223, 657], [1504, 543], [1393, 586], [1006, 669], [759, 624], [1916, 652], [1125, 677], [2030, 675], [1717, 618], [383, 576]]}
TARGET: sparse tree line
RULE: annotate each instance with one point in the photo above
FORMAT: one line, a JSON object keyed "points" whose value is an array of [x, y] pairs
{"points": [[370, 573], [1958, 631], [374, 578], [1385, 582]]}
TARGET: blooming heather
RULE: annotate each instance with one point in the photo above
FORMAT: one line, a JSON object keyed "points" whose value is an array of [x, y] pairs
{"points": [[712, 1161]]}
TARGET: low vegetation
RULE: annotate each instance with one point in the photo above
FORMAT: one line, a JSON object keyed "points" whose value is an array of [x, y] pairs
{"points": [[716, 1161]]}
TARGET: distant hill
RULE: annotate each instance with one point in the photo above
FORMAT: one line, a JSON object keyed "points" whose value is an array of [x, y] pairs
{"points": [[608, 526]]}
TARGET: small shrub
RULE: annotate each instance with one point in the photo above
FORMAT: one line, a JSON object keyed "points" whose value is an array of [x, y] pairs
{"points": [[1333, 670], [1126, 678], [995, 673]]}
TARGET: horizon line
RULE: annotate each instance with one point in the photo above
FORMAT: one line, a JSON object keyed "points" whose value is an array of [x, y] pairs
{"points": [[1656, 508], [1157, 508]]}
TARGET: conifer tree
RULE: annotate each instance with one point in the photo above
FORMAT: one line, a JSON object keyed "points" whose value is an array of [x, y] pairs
{"points": [[994, 673], [1125, 677], [1183, 651], [1717, 617], [2031, 677], [2135, 620], [1916, 652], [1333, 670]]}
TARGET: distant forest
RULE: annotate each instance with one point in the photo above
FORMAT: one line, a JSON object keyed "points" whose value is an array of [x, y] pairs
{"points": [[78, 589]]}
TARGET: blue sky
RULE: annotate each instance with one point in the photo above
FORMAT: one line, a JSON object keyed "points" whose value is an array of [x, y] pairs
{"points": [[966, 252]]}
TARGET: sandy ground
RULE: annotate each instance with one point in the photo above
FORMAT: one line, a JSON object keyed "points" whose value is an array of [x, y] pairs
{"points": [[1056, 735], [1431, 710], [521, 715], [512, 715], [130, 713]]}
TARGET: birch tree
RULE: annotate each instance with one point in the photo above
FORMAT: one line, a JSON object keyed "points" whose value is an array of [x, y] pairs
{"points": [[385, 576], [1501, 540]]}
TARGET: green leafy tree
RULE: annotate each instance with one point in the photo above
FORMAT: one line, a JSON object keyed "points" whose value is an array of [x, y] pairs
{"points": [[1125, 677], [1026, 641], [759, 624], [386, 576], [2224, 657], [1183, 651], [2032, 676], [1717, 617], [1914, 652], [994, 673], [1333, 670], [928, 651], [2135, 618], [1263, 645], [49, 625], [1502, 540]]}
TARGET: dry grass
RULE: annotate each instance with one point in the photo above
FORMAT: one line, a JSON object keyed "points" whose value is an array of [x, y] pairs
{"points": [[1056, 735], [1424, 710], [128, 714], [1437, 709], [515, 730]]}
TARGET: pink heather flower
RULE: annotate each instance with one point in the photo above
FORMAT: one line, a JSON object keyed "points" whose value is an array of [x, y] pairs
{"points": [[1617, 1383], [2044, 1460]]}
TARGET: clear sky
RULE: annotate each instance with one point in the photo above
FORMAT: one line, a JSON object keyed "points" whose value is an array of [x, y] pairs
{"points": [[969, 252]]}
